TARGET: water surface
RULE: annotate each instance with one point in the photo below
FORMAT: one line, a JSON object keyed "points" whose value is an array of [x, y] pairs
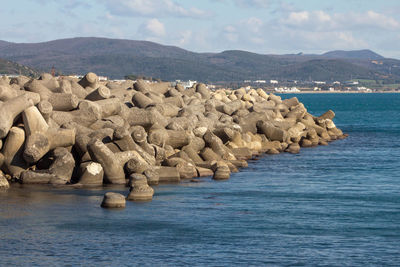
{"points": [[336, 205]]}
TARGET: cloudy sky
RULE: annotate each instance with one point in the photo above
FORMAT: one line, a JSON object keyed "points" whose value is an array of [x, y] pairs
{"points": [[263, 26]]}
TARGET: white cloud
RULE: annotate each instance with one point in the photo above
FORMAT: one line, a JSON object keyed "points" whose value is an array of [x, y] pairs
{"points": [[340, 21], [257, 40], [306, 31], [372, 19], [263, 26], [230, 29], [153, 8], [248, 32], [152, 28], [322, 16], [253, 3], [309, 40], [230, 34], [290, 30], [185, 37], [254, 24], [68, 4], [320, 20], [313, 20], [297, 18]]}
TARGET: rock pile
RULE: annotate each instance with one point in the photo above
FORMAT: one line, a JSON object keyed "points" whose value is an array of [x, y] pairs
{"points": [[68, 131]]}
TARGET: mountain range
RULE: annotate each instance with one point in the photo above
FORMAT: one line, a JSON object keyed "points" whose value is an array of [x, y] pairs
{"points": [[116, 58]]}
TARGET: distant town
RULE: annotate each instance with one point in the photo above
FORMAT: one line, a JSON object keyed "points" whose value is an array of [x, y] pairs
{"points": [[295, 86], [289, 86], [276, 86]]}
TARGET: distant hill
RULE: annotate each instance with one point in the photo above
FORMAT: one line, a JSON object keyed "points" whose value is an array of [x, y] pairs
{"points": [[4, 43], [326, 70], [358, 54], [9, 67], [116, 58]]}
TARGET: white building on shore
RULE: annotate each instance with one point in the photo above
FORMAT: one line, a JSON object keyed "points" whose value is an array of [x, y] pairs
{"points": [[363, 89], [319, 82], [186, 84], [286, 90], [260, 81], [9, 75]]}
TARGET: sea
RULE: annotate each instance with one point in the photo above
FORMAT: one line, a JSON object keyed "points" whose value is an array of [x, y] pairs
{"points": [[335, 205]]}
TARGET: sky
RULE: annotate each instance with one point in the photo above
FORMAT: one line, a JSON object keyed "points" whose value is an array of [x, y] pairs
{"points": [[261, 26]]}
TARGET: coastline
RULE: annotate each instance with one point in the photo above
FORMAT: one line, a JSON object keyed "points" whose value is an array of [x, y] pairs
{"points": [[339, 92], [135, 133]]}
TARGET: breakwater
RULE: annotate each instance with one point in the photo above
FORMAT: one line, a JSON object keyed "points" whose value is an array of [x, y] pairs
{"points": [[68, 131]]}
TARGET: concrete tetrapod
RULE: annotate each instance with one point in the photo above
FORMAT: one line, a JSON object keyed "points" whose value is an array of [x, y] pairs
{"points": [[152, 176], [62, 166], [7, 93], [293, 148], [99, 94], [140, 190], [89, 80], [221, 171], [84, 135], [113, 200], [203, 90], [45, 109], [37, 86], [141, 100], [176, 139], [40, 138], [125, 142], [60, 170], [271, 132], [13, 107], [3, 182], [91, 173], [63, 102], [112, 163], [139, 135], [65, 87], [215, 143], [168, 174], [13, 163], [125, 128]]}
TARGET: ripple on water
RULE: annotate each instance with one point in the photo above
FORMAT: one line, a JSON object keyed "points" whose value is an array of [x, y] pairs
{"points": [[337, 205]]}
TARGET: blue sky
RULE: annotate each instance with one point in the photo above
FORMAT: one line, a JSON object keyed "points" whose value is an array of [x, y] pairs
{"points": [[262, 26]]}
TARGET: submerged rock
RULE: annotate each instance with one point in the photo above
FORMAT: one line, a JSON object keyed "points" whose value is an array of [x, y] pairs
{"points": [[140, 190], [221, 171], [113, 200]]}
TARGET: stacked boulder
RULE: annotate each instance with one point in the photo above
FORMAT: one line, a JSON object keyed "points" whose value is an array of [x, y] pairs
{"points": [[68, 131]]}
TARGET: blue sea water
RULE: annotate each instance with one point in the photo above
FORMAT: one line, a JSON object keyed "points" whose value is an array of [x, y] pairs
{"points": [[336, 205]]}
